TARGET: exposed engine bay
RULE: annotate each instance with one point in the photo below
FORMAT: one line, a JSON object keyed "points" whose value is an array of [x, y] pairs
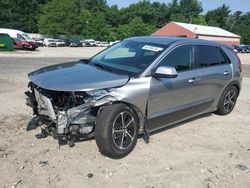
{"points": [[64, 115]]}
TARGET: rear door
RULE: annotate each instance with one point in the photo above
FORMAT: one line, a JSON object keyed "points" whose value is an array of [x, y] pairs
{"points": [[216, 71]]}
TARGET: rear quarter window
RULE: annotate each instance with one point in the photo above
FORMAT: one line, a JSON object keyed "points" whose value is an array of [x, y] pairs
{"points": [[209, 56]]}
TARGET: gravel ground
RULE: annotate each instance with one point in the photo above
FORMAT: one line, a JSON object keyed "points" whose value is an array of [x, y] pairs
{"points": [[208, 151], [66, 52]]}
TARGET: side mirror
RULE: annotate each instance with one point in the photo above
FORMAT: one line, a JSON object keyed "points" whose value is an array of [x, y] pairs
{"points": [[165, 72], [85, 61]]}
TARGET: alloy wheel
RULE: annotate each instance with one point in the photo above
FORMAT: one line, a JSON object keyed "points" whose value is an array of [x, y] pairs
{"points": [[230, 100], [123, 130]]}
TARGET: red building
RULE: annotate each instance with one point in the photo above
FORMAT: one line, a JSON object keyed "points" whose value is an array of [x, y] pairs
{"points": [[198, 31]]}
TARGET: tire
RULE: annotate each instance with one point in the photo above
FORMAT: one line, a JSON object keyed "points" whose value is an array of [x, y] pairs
{"points": [[113, 138], [32, 49], [227, 101]]}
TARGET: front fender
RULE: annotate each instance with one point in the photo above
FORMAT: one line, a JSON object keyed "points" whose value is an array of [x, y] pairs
{"points": [[135, 92]]}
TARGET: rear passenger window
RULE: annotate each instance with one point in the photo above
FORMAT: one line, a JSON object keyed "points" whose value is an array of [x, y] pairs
{"points": [[182, 58], [209, 56]]}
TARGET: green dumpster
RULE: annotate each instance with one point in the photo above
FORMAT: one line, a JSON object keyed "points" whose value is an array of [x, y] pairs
{"points": [[6, 42]]}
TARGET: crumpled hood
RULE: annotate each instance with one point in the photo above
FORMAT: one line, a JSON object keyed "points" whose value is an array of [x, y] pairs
{"points": [[76, 76]]}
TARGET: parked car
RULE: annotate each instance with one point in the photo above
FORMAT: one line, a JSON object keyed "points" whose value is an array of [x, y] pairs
{"points": [[66, 41], [242, 48], [247, 49], [138, 86], [24, 45], [114, 42], [238, 48], [83, 42], [104, 44], [60, 43], [50, 42], [90, 43], [101, 44], [21, 40], [75, 43], [39, 42], [98, 43]]}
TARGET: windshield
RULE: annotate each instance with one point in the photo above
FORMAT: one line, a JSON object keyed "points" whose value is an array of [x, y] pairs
{"points": [[128, 57], [27, 36]]}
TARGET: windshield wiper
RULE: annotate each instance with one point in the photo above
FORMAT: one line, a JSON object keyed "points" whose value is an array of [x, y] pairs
{"points": [[103, 67]]}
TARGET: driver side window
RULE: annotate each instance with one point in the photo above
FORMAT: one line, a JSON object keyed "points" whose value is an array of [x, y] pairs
{"points": [[182, 58]]}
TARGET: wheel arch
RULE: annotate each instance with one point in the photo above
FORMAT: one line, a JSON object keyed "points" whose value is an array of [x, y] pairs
{"points": [[137, 111], [235, 83]]}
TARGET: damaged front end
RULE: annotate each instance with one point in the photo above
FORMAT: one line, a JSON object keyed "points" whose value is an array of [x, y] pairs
{"points": [[66, 116]]}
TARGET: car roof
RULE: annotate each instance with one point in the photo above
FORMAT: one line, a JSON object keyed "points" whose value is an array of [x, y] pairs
{"points": [[11, 30], [164, 40]]}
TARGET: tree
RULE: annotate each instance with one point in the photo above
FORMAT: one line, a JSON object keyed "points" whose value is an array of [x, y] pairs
{"points": [[112, 16], [185, 10], [43, 1], [242, 27], [151, 13], [233, 19], [92, 5], [96, 27], [19, 14], [190, 9], [200, 20], [178, 17], [135, 28], [161, 14], [60, 17], [218, 17]]}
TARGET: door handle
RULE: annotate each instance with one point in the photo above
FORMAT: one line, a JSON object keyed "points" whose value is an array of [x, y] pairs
{"points": [[226, 73], [191, 80]]}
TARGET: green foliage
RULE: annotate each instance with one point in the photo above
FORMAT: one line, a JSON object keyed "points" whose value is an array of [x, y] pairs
{"points": [[218, 17], [200, 20], [96, 27], [190, 9], [150, 13], [95, 19], [19, 14], [185, 10], [60, 17], [92, 5], [134, 28], [241, 26]]}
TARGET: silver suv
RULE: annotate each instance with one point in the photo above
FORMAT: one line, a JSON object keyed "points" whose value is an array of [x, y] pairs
{"points": [[139, 85]]}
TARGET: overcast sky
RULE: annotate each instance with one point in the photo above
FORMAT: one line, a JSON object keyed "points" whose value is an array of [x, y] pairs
{"points": [[242, 5]]}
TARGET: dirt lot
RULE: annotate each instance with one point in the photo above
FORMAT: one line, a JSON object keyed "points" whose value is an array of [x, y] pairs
{"points": [[209, 151]]}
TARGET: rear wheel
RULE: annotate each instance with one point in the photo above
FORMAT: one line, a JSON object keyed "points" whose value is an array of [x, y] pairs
{"points": [[116, 130], [227, 101]]}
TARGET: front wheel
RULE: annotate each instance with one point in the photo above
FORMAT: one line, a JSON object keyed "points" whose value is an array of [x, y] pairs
{"points": [[116, 130], [227, 101]]}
